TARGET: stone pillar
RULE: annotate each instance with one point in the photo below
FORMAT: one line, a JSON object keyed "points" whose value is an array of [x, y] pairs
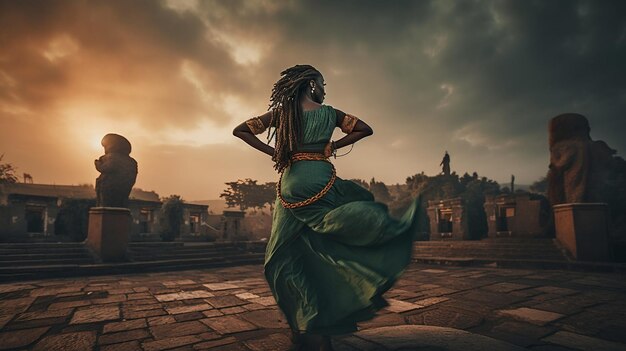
{"points": [[582, 228], [460, 225], [109, 231], [491, 209], [433, 217]]}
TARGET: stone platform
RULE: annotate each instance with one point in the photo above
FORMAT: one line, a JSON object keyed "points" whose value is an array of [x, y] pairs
{"points": [[431, 308]]}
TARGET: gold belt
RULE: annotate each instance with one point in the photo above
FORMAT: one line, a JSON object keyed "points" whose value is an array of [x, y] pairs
{"points": [[307, 156]]}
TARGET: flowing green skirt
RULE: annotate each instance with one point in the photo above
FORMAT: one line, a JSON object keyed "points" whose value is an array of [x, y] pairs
{"points": [[329, 263]]}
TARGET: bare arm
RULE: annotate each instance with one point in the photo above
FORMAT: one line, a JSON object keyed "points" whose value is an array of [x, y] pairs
{"points": [[359, 131], [243, 132]]}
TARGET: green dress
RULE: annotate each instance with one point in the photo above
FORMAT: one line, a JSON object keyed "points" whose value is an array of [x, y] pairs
{"points": [[328, 263]]}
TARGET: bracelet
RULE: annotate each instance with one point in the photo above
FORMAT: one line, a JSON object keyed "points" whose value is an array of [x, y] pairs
{"points": [[256, 125], [333, 149]]}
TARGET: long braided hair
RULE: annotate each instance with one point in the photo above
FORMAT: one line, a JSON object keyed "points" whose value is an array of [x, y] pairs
{"points": [[287, 111]]}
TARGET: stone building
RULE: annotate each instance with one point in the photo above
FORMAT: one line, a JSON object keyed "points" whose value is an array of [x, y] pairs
{"points": [[517, 215], [28, 212], [448, 219], [232, 228], [195, 225], [144, 208]]}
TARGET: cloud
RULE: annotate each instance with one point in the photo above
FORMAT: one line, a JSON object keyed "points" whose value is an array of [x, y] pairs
{"points": [[123, 60], [480, 79]]}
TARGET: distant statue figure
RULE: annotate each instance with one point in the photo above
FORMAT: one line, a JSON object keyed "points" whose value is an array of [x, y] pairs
{"points": [[446, 164], [118, 172], [512, 183], [28, 178]]}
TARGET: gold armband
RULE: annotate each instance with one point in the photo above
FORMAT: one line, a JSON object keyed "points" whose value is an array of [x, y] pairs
{"points": [[256, 125], [348, 123]]}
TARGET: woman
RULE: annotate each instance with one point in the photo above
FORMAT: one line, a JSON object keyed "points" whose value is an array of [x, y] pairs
{"points": [[333, 251]]}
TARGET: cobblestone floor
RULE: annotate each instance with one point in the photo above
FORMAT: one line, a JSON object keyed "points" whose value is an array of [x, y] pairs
{"points": [[232, 309]]}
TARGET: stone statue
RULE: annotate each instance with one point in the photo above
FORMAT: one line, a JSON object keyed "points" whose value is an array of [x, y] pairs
{"points": [[581, 169], [586, 171], [118, 172], [579, 166], [446, 164], [570, 144]]}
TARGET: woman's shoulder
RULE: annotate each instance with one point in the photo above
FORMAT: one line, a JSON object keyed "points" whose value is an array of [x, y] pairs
{"points": [[332, 112], [321, 109], [330, 109]]}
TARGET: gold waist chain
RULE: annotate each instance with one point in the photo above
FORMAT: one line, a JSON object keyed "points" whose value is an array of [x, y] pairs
{"points": [[307, 156]]}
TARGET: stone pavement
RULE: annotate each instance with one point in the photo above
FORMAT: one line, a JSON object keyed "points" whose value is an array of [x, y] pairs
{"points": [[431, 308]]}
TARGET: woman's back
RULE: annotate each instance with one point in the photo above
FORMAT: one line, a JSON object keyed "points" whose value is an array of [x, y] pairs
{"points": [[304, 179], [317, 127]]}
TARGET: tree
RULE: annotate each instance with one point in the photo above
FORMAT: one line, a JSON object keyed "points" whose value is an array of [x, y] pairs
{"points": [[380, 191], [268, 193], [361, 182], [248, 194], [171, 217], [474, 196], [7, 172], [540, 186]]}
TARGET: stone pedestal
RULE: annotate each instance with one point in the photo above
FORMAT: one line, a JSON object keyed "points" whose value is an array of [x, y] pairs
{"points": [[109, 230], [582, 228]]}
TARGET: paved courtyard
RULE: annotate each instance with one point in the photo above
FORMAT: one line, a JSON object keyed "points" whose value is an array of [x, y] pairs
{"points": [[232, 309]]}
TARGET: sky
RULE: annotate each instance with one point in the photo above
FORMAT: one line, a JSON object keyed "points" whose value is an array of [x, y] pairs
{"points": [[480, 79]]}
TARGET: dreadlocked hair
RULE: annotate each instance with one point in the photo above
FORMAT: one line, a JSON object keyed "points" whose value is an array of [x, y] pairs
{"points": [[287, 111]]}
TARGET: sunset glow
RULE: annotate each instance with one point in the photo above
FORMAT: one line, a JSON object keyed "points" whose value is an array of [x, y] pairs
{"points": [[480, 80]]}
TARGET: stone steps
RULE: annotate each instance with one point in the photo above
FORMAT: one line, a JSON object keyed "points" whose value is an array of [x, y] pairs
{"points": [[39, 245], [23, 249], [43, 257], [489, 243], [70, 270], [44, 260], [187, 254], [175, 244], [607, 267], [492, 248], [40, 262], [477, 244], [41, 251], [502, 256], [514, 252], [34, 261], [156, 252], [43, 254], [206, 248]]}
